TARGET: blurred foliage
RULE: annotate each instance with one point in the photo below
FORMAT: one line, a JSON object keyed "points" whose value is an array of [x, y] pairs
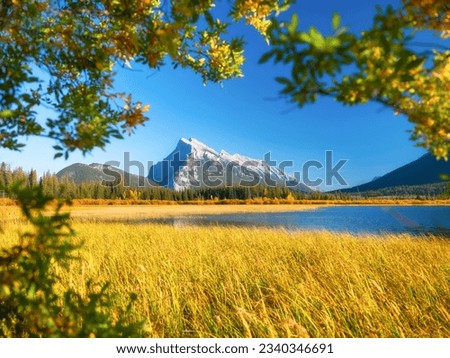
{"points": [[31, 303], [61, 55], [384, 63]]}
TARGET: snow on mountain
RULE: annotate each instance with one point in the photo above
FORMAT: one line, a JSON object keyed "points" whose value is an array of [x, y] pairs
{"points": [[193, 164]]}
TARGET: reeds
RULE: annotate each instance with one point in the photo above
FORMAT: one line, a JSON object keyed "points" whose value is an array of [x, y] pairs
{"points": [[252, 282]]}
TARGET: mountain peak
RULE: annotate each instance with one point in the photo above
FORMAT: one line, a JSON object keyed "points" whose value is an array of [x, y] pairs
{"points": [[195, 145], [193, 163]]}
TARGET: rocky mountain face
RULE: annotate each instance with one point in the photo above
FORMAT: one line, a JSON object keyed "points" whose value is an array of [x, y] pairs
{"points": [[192, 164]]}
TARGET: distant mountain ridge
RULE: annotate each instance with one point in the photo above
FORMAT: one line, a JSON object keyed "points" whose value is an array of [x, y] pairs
{"points": [[95, 172], [193, 164], [425, 170]]}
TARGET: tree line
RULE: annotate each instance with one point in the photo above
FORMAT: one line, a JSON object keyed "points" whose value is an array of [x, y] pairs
{"points": [[66, 188]]}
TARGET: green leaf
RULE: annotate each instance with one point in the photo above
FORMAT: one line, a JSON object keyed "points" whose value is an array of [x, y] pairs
{"points": [[400, 64], [292, 27], [317, 38], [58, 155], [209, 19], [6, 113], [333, 42], [336, 21], [304, 37], [283, 80], [264, 58], [288, 89], [415, 63]]}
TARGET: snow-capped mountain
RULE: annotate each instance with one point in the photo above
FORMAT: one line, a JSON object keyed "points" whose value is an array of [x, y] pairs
{"points": [[192, 164]]}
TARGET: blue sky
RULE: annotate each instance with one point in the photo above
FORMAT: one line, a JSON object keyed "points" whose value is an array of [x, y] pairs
{"points": [[245, 116]]}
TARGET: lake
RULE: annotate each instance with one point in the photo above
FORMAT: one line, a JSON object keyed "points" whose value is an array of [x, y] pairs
{"points": [[354, 219]]}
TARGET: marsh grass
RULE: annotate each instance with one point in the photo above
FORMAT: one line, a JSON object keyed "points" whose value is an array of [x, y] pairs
{"points": [[251, 282]]}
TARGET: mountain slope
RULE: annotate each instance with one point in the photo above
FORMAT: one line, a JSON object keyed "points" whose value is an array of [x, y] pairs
{"points": [[192, 164], [425, 170], [80, 173]]}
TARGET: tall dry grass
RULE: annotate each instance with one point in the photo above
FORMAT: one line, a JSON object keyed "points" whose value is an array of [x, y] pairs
{"points": [[250, 282], [248, 202]]}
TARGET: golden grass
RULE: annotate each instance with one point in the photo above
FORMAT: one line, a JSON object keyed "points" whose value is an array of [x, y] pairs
{"points": [[124, 211], [165, 211], [99, 213], [265, 201], [249, 202], [250, 282]]}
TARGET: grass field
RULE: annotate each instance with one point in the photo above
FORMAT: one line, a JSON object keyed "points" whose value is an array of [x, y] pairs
{"points": [[82, 204], [250, 282]]}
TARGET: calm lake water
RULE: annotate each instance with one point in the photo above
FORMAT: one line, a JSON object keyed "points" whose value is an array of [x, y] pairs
{"points": [[354, 219]]}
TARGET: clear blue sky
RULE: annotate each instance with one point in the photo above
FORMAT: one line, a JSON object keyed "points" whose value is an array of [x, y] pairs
{"points": [[244, 116]]}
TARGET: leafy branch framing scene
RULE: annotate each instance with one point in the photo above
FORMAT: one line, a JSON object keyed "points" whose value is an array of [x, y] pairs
{"points": [[86, 275]]}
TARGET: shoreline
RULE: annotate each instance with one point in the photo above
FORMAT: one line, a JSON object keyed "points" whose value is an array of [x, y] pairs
{"points": [[5, 202], [99, 209]]}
